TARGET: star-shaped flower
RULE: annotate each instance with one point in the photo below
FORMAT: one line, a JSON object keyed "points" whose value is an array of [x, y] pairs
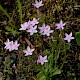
{"points": [[61, 25], [30, 24], [38, 4], [28, 51], [42, 60], [7, 44], [11, 45], [32, 30], [34, 21], [24, 26], [68, 37], [47, 30], [42, 28]]}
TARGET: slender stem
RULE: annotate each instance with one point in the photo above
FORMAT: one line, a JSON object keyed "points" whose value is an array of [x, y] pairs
{"points": [[29, 43], [64, 58]]}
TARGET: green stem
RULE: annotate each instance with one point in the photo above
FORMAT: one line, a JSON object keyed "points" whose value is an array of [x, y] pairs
{"points": [[64, 58]]}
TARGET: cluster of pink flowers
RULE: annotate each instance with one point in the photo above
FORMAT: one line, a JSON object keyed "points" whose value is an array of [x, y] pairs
{"points": [[60, 26], [45, 30], [11, 45], [14, 46], [30, 26], [41, 59]]}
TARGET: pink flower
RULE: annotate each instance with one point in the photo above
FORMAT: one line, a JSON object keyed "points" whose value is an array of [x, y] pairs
{"points": [[7, 43], [28, 51], [42, 28], [34, 21], [61, 25], [38, 4], [30, 24], [11, 45], [24, 26], [32, 30], [45, 30], [68, 37], [42, 60]]}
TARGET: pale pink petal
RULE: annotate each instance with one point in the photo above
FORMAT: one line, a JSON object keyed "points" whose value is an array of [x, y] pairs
{"points": [[69, 40], [66, 34], [51, 31], [28, 48], [64, 24], [42, 63], [57, 25], [24, 51], [35, 31], [26, 54], [72, 37], [70, 34], [61, 22], [40, 57], [35, 27], [65, 38], [46, 61], [32, 50], [47, 34], [45, 57], [31, 33]]}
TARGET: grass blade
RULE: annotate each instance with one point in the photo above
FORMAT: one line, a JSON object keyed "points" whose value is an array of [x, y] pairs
{"points": [[20, 9], [77, 35], [4, 11]]}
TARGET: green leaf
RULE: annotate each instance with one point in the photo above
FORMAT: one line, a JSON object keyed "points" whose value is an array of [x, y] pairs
{"points": [[67, 46], [50, 60], [77, 35], [9, 29], [41, 76], [55, 71], [8, 78], [20, 10], [4, 11], [53, 46], [12, 30]]}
